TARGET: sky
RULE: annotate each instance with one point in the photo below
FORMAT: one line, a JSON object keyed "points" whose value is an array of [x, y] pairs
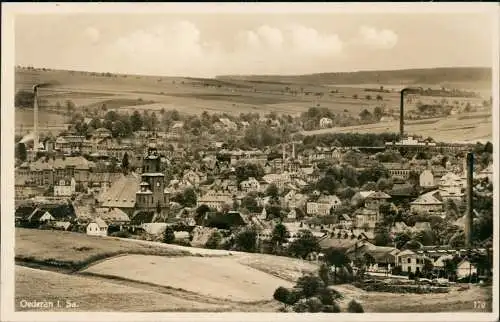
{"points": [[210, 44]]}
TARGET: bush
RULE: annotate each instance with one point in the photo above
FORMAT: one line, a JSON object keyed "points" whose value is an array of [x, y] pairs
{"points": [[182, 242], [214, 240], [121, 234], [281, 294], [168, 236], [411, 275], [397, 270], [334, 308], [327, 296], [314, 305], [301, 306], [355, 307], [310, 285]]}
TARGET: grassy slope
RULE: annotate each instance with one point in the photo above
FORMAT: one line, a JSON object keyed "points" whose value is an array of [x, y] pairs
{"points": [[68, 250]]}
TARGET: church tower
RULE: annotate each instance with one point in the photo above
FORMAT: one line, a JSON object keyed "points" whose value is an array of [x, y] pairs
{"points": [[151, 194]]}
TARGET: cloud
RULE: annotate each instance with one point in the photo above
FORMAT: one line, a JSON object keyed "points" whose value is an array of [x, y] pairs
{"points": [[179, 48], [309, 41], [93, 34], [379, 39]]}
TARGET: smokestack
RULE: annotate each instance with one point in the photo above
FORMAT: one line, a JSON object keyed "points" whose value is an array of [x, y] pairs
{"points": [[293, 150], [468, 215], [35, 121], [401, 114]]}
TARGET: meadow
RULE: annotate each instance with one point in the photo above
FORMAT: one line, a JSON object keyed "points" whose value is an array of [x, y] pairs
{"points": [[73, 251]]}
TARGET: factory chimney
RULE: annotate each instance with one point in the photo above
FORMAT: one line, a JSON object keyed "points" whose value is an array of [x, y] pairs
{"points": [[401, 115], [468, 215], [35, 121]]}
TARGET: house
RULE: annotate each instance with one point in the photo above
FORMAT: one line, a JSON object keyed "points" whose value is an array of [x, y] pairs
{"points": [[426, 179], [345, 221], [411, 262], [251, 184], [360, 197], [398, 170], [113, 216], [323, 205], [365, 218], [486, 173], [293, 199], [101, 133], [451, 186], [428, 203], [192, 177], [375, 199], [97, 227], [465, 269], [228, 124], [325, 122], [65, 188], [216, 200]]}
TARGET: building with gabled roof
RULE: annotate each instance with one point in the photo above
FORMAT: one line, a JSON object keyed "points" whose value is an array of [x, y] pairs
{"points": [[428, 203]]}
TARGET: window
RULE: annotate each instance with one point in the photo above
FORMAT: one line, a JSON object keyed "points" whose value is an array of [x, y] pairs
{"points": [[409, 260]]}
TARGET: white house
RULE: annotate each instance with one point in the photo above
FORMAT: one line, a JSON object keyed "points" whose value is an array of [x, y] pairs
{"points": [[65, 188], [426, 179], [465, 268], [97, 227], [323, 205], [325, 122], [450, 186], [251, 184], [410, 261]]}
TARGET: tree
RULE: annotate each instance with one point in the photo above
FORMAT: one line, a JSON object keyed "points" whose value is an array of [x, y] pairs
{"points": [[305, 244], [189, 197], [125, 162], [355, 307], [168, 235], [24, 99], [136, 121], [310, 285], [285, 296], [245, 171], [246, 240], [214, 240], [21, 152], [365, 115], [382, 237], [337, 259], [279, 236], [272, 191], [401, 239], [324, 273], [378, 112], [250, 202]]}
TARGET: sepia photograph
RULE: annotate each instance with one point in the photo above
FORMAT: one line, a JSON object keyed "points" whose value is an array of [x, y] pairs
{"points": [[283, 159]]}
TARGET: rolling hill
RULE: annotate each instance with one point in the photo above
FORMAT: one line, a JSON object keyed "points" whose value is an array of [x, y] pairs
{"points": [[432, 76]]}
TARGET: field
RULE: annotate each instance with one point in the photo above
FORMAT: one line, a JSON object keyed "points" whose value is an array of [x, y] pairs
{"points": [[91, 294], [231, 94], [201, 275], [68, 250], [464, 128], [454, 301], [156, 277]]}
